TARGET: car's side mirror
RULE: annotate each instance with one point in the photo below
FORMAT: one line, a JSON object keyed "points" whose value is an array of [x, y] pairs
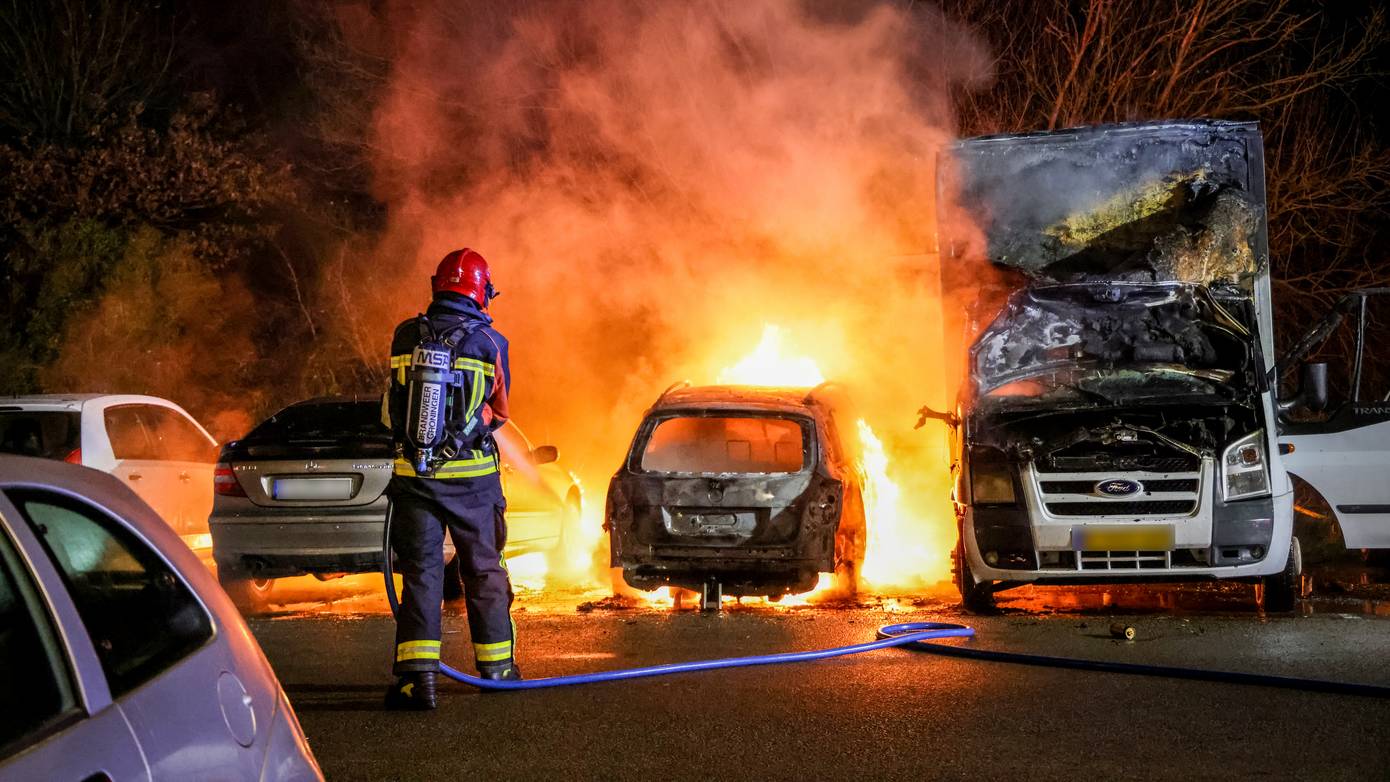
{"points": [[926, 413], [545, 454], [1312, 389]]}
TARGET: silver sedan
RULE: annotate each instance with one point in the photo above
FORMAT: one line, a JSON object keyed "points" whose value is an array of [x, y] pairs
{"points": [[123, 658]]}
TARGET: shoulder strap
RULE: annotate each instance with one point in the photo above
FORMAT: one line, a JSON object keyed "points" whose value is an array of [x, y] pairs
{"points": [[455, 335], [422, 322]]}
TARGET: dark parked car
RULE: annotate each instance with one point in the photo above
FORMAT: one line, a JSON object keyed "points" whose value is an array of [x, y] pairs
{"points": [[302, 494], [122, 658], [739, 490]]}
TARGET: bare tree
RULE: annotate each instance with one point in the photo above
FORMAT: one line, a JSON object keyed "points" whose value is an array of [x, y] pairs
{"points": [[75, 63], [1288, 65]]}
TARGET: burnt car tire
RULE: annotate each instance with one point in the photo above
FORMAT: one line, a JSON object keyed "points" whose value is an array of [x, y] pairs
{"points": [[977, 597], [1283, 589], [849, 560], [249, 595]]}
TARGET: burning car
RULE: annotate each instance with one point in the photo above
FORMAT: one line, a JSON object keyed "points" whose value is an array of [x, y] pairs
{"points": [[1118, 418], [739, 490]]}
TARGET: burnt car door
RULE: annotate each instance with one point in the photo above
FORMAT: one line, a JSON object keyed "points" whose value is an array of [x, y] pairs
{"points": [[1334, 427]]}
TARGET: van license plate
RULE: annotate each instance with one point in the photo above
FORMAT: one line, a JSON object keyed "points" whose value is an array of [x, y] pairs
{"points": [[1131, 537], [312, 489]]}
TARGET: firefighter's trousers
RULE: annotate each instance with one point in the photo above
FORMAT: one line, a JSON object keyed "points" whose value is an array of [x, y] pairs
{"points": [[479, 533]]}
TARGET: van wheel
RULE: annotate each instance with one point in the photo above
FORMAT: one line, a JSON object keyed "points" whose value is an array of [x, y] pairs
{"points": [[976, 597], [249, 595], [1283, 589]]}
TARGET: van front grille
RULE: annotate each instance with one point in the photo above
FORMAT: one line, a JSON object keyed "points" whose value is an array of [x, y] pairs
{"points": [[1123, 508]]}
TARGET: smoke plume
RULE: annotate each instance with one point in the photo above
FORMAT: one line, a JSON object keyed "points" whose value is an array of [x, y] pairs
{"points": [[652, 183]]}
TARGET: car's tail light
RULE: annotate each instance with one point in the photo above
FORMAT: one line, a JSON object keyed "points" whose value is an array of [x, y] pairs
{"points": [[224, 481], [74, 456]]}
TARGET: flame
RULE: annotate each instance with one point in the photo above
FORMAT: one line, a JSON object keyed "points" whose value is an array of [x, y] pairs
{"points": [[769, 365], [904, 548]]}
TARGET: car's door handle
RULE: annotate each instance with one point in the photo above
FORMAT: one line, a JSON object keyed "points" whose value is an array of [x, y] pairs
{"points": [[185, 477], [135, 476]]}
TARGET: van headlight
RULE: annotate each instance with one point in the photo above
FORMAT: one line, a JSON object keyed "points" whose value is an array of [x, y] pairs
{"points": [[1245, 468], [991, 481]]}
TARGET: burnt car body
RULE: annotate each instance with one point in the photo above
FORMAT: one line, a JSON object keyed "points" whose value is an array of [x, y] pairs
{"points": [[1118, 419], [738, 490]]}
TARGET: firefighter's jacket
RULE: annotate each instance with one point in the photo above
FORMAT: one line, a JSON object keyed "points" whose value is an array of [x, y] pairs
{"points": [[472, 477]]}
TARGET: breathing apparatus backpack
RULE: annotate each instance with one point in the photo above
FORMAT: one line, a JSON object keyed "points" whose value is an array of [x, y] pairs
{"points": [[437, 424]]}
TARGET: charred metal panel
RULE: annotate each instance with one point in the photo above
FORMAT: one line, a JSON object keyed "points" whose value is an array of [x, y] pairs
{"points": [[1187, 196]]}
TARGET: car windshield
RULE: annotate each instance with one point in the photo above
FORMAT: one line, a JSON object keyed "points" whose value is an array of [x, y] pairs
{"points": [[323, 421], [748, 445], [1112, 386], [50, 434]]}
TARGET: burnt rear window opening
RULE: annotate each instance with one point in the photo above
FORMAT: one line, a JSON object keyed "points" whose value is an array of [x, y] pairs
{"points": [[48, 434], [748, 445]]}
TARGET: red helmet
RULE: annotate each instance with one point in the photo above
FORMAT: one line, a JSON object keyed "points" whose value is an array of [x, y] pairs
{"points": [[465, 271]]}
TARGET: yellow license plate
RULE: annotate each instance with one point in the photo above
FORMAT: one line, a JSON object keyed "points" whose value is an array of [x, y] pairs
{"points": [[1131, 537]]}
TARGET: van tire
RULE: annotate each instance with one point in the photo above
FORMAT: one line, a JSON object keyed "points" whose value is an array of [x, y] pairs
{"points": [[976, 597], [1283, 589]]}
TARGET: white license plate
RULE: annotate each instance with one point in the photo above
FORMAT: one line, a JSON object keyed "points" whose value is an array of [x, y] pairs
{"points": [[312, 489], [1130, 537]]}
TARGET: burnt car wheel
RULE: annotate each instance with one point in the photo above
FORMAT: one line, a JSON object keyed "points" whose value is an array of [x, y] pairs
{"points": [[1283, 589], [249, 595], [849, 559], [975, 596]]}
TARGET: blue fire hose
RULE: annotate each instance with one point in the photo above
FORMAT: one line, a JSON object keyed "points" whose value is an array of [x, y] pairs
{"points": [[917, 636]]}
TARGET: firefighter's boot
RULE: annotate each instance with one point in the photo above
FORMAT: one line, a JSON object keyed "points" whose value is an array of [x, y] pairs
{"points": [[414, 691], [500, 671]]}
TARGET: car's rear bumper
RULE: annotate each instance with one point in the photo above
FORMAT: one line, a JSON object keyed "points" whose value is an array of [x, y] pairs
{"points": [[739, 570], [276, 544]]}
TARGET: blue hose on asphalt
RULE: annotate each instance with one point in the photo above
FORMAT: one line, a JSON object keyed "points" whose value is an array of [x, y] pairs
{"points": [[909, 635]]}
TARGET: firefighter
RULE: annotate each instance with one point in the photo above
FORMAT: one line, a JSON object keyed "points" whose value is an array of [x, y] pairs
{"points": [[463, 495]]}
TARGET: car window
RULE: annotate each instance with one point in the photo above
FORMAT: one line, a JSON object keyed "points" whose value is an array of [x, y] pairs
{"points": [[139, 613], [323, 421], [36, 689], [750, 445], [175, 438], [48, 434], [126, 430]]}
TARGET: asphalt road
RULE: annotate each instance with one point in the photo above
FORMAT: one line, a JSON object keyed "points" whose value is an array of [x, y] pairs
{"points": [[886, 715]]}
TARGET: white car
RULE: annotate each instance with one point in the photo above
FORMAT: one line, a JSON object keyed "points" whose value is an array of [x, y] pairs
{"points": [[152, 445]]}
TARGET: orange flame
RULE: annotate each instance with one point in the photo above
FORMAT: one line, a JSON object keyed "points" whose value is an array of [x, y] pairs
{"points": [[904, 549], [768, 365]]}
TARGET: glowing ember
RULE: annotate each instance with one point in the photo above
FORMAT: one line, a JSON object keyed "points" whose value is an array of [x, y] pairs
{"points": [[528, 571], [768, 365]]}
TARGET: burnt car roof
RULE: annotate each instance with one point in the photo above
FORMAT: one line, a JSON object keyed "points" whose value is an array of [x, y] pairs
{"points": [[797, 400]]}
